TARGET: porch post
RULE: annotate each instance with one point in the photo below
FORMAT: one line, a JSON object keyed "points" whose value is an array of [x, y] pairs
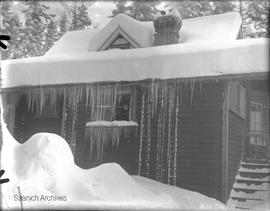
{"points": [[224, 144]]}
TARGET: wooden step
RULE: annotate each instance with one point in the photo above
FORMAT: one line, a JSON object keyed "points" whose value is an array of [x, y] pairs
{"points": [[246, 204], [265, 165], [243, 186], [257, 179], [258, 195], [255, 170]]}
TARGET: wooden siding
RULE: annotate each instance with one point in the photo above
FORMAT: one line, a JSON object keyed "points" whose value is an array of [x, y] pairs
{"points": [[199, 141]]}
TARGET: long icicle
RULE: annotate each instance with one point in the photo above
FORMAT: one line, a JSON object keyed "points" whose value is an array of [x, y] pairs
{"points": [[169, 136], [148, 143], [175, 140], [141, 134]]}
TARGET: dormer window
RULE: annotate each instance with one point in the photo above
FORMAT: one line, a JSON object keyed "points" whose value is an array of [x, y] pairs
{"points": [[120, 43], [119, 39]]}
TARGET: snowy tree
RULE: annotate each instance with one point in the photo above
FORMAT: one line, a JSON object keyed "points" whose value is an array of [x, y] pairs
{"points": [[80, 18], [10, 25], [120, 8], [140, 10], [258, 16], [51, 35], [63, 24], [220, 7], [34, 34]]}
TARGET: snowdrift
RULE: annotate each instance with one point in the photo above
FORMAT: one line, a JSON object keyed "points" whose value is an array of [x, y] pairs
{"points": [[43, 175]]}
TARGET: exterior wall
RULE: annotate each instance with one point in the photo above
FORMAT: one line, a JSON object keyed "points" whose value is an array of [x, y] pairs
{"points": [[235, 146], [181, 147], [199, 135]]}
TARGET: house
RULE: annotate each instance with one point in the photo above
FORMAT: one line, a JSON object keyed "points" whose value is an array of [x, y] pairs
{"points": [[184, 102]]}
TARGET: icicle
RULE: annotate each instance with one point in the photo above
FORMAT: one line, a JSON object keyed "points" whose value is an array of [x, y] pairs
{"points": [[159, 126], [169, 134], [148, 135], [105, 133], [73, 129], [175, 140], [141, 134], [192, 88]]}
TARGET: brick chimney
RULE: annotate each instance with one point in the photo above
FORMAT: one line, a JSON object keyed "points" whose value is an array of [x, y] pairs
{"points": [[167, 28]]}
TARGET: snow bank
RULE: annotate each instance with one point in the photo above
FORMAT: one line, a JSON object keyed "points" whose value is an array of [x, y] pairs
{"points": [[163, 62], [44, 166], [44, 170], [186, 200]]}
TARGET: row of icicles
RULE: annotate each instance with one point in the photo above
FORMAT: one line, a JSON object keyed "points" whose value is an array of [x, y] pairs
{"points": [[159, 98]]}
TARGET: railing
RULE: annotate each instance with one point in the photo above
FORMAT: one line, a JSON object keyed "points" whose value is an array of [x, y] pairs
{"points": [[257, 145]]}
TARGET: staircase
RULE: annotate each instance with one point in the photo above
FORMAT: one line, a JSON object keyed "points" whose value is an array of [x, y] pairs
{"points": [[252, 187]]}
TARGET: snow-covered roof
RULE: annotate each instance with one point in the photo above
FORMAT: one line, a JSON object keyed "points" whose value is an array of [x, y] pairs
{"points": [[221, 27], [185, 60]]}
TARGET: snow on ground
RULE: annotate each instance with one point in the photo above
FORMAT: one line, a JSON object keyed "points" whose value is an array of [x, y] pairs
{"points": [[163, 62], [186, 200], [44, 170]]}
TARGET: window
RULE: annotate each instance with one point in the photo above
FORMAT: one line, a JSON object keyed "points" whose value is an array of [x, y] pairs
{"points": [[255, 116], [123, 107], [237, 98], [121, 111], [121, 43]]}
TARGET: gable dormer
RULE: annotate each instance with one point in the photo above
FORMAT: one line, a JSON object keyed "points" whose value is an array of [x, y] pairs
{"points": [[119, 39]]}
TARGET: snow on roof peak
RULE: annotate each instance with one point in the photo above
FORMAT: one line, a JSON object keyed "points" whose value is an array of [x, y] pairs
{"points": [[221, 27], [140, 32]]}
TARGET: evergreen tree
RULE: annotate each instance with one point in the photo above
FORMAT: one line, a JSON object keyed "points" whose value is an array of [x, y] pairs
{"points": [[140, 10], [10, 25], [120, 8], [258, 16], [51, 35], [192, 9], [63, 24], [34, 34], [220, 7], [80, 18]]}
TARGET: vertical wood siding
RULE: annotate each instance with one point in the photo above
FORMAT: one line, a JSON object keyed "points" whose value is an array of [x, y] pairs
{"points": [[199, 138]]}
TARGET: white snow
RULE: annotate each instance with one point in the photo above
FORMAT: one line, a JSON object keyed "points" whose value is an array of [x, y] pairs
{"points": [[187, 200], [163, 62], [140, 32], [73, 42], [114, 123], [44, 166], [215, 28]]}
